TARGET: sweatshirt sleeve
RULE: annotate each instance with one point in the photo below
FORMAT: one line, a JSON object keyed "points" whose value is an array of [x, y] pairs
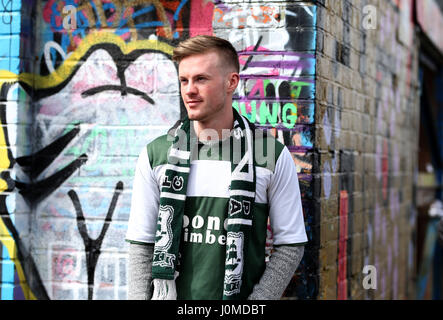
{"points": [[278, 273]]}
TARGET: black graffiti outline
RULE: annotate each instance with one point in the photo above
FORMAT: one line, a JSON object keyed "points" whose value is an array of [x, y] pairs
{"points": [[122, 62], [251, 56], [93, 246], [43, 158], [34, 164], [29, 268], [35, 191], [124, 90], [7, 8]]}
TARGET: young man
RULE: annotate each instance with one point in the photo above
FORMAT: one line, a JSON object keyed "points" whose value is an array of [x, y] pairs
{"points": [[203, 194]]}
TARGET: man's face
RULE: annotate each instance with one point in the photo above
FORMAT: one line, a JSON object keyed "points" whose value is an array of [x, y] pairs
{"points": [[205, 86]]}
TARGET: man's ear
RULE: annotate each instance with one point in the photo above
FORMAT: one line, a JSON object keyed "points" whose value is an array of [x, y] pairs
{"points": [[233, 80]]}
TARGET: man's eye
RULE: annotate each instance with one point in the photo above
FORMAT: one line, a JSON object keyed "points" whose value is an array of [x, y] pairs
{"points": [[201, 79], [183, 81]]}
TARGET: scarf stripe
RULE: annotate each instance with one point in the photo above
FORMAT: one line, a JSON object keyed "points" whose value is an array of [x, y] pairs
{"points": [[242, 193], [240, 221], [172, 196], [184, 155]]}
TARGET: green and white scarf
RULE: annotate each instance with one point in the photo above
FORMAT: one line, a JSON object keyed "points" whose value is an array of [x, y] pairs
{"points": [[172, 204]]}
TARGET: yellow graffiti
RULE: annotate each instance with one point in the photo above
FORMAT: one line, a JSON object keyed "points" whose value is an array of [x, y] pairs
{"points": [[9, 243], [98, 37], [43, 82], [5, 77]]}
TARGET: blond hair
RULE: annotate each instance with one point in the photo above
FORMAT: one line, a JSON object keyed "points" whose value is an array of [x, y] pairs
{"points": [[203, 44]]}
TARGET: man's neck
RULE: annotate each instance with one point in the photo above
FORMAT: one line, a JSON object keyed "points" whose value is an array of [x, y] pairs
{"points": [[221, 125]]}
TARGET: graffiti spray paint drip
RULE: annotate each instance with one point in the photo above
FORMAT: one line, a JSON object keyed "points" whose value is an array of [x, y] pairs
{"points": [[92, 247]]}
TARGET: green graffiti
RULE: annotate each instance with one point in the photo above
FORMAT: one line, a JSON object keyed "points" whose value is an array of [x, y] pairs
{"points": [[289, 120], [268, 114], [296, 88]]}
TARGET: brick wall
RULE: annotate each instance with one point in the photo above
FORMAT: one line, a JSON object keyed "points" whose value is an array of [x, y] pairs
{"points": [[366, 136], [87, 95]]}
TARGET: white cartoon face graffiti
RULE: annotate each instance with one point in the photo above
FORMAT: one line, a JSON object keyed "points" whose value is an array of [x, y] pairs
{"points": [[110, 92], [118, 103]]}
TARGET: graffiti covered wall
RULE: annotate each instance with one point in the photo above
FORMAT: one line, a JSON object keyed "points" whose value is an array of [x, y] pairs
{"points": [[91, 83], [86, 84], [368, 115]]}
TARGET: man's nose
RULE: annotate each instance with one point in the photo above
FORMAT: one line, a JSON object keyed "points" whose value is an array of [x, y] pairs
{"points": [[190, 88]]}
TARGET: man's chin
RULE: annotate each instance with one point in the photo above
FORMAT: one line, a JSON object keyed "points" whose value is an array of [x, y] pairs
{"points": [[195, 117]]}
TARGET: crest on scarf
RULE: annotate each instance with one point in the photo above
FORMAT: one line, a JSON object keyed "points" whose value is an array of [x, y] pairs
{"points": [[177, 183], [234, 207], [163, 238], [247, 206], [233, 263]]}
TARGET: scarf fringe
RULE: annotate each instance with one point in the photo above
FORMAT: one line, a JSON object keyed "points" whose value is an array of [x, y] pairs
{"points": [[164, 290]]}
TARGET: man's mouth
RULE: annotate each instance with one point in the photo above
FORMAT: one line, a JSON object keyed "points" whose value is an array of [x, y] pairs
{"points": [[192, 103]]}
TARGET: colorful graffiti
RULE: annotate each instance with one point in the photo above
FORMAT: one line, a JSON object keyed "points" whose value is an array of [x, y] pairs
{"points": [[124, 18], [276, 92], [97, 94], [74, 157]]}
